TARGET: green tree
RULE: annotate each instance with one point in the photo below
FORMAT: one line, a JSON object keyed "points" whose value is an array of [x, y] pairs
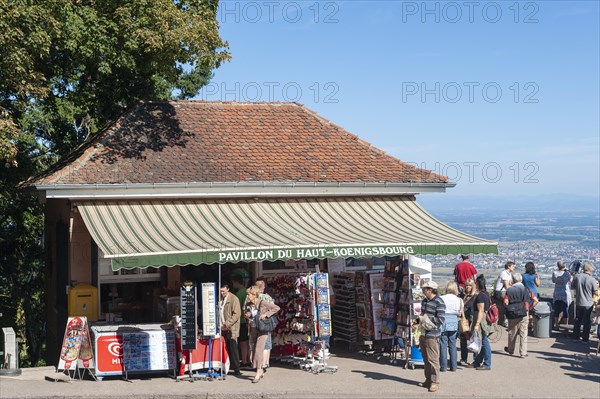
{"points": [[68, 68]]}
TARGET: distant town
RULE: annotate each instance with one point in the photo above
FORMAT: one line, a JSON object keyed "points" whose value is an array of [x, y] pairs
{"points": [[539, 237]]}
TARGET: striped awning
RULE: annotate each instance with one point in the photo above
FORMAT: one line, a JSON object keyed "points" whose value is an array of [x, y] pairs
{"points": [[182, 232]]}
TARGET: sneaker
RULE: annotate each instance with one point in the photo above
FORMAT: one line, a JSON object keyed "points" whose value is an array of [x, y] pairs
{"points": [[434, 388], [523, 356], [473, 366], [483, 368], [507, 351], [424, 384], [463, 363]]}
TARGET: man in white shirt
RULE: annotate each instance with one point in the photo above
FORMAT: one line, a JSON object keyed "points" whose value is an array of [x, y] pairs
{"points": [[502, 283]]}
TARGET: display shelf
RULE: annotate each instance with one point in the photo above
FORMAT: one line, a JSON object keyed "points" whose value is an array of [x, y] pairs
{"points": [[291, 293], [305, 320], [344, 309], [415, 272], [367, 288]]}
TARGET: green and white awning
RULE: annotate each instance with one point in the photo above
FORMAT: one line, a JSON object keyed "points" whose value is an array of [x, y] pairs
{"points": [[181, 232]]}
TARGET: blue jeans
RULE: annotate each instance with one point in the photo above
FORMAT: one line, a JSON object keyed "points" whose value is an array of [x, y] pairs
{"points": [[485, 354], [448, 344]]}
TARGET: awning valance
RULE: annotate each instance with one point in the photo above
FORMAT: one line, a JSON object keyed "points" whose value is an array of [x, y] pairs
{"points": [[181, 232]]}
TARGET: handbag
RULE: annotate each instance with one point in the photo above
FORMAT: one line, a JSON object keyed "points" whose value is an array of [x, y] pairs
{"points": [[463, 324], [267, 324], [487, 329]]}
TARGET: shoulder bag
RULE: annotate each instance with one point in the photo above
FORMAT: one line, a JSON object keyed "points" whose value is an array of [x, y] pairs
{"points": [[463, 322], [517, 309], [267, 324]]}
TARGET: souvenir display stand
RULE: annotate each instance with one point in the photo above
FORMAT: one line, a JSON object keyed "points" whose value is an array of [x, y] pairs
{"points": [[388, 300], [290, 338], [364, 308], [376, 309], [344, 309], [304, 329], [414, 272], [317, 363]]}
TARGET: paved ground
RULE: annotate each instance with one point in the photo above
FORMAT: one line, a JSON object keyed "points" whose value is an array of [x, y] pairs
{"points": [[555, 368]]}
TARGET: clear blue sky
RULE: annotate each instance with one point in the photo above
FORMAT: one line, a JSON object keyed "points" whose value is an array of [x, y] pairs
{"points": [[364, 65]]}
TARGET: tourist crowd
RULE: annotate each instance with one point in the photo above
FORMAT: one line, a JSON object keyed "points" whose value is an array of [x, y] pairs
{"points": [[468, 313]]}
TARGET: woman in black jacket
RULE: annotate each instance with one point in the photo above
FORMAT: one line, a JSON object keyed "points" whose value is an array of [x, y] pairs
{"points": [[468, 296]]}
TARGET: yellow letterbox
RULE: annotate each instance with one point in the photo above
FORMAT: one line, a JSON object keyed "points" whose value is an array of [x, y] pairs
{"points": [[83, 301]]}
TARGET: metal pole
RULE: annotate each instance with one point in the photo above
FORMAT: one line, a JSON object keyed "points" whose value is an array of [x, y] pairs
{"points": [[221, 338]]}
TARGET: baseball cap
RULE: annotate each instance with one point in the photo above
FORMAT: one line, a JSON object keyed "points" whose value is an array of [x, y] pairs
{"points": [[430, 284]]}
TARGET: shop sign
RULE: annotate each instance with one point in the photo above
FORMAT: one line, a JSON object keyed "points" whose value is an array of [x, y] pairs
{"points": [[109, 349], [311, 253], [287, 253]]}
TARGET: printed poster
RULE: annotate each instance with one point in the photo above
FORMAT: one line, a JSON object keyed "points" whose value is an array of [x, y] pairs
{"points": [[149, 350], [209, 310], [76, 348]]}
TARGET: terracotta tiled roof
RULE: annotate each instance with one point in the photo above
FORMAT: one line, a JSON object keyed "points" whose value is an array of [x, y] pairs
{"points": [[198, 141]]}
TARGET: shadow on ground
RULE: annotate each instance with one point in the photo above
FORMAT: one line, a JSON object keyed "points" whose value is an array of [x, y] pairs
{"points": [[380, 376], [578, 363], [380, 352]]}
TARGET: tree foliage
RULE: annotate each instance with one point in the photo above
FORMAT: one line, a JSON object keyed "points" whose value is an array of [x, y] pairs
{"points": [[67, 69]]}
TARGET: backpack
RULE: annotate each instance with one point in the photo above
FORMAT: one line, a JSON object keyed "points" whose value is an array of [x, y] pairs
{"points": [[492, 314]]}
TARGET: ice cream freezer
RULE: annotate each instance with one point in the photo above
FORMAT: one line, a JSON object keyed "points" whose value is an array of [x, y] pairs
{"points": [[120, 350]]}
